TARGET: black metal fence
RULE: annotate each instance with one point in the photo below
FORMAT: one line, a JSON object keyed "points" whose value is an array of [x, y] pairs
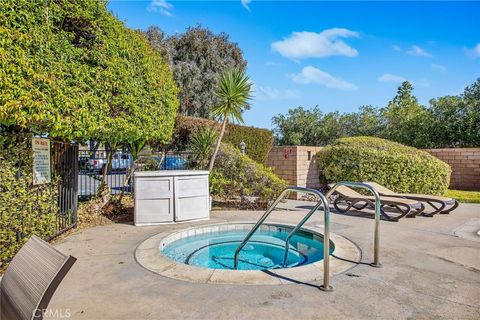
{"points": [[92, 164], [65, 168], [46, 209]]}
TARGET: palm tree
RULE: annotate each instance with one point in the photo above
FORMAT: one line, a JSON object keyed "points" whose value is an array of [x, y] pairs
{"points": [[201, 145], [233, 93]]}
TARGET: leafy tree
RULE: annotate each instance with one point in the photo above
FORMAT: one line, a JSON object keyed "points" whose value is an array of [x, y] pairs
{"points": [[446, 126], [158, 40], [74, 71], [233, 92], [405, 119], [298, 127], [310, 127], [450, 121], [366, 122], [471, 98], [198, 57], [456, 119]]}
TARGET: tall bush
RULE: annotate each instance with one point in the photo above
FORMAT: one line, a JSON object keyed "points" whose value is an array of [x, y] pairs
{"points": [[398, 167], [70, 68], [259, 141], [237, 176], [24, 209]]}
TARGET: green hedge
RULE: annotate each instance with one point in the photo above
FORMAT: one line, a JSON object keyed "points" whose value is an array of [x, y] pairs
{"points": [[397, 167], [235, 175], [73, 70], [24, 209], [259, 141]]}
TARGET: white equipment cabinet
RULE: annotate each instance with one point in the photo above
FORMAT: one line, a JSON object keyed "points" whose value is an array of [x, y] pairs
{"points": [[171, 196]]}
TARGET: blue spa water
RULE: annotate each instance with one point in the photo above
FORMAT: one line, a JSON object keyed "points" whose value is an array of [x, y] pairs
{"points": [[265, 249]]}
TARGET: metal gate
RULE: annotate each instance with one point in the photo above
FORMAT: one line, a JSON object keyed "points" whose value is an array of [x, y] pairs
{"points": [[47, 209]]}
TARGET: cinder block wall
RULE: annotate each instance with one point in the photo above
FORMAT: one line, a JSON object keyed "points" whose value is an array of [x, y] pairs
{"points": [[297, 165], [465, 163]]}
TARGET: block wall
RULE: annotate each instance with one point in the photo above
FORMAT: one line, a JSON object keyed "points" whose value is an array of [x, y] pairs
{"points": [[297, 165], [465, 163]]}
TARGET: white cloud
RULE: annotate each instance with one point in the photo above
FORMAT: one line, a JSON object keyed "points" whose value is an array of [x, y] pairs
{"points": [[474, 52], [439, 67], [245, 4], [421, 83], [396, 48], [392, 78], [312, 75], [417, 51], [273, 64], [161, 6], [305, 44], [268, 93]]}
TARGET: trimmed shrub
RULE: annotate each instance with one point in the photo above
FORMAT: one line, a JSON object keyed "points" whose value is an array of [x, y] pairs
{"points": [[24, 209], [397, 167], [259, 141], [73, 70], [235, 175]]}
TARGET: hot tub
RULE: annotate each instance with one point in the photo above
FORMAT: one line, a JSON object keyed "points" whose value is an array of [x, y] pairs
{"points": [[204, 254]]}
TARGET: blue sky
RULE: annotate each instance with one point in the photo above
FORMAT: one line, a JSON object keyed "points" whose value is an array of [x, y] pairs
{"points": [[337, 55]]}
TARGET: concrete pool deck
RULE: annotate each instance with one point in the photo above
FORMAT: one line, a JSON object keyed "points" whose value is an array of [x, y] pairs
{"points": [[431, 270]]}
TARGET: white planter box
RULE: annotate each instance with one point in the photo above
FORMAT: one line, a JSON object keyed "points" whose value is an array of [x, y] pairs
{"points": [[171, 196]]}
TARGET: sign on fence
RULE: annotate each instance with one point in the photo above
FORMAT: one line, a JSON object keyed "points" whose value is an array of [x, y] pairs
{"points": [[41, 161]]}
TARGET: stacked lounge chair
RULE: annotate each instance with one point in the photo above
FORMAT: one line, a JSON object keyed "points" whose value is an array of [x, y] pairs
{"points": [[442, 205], [399, 207]]}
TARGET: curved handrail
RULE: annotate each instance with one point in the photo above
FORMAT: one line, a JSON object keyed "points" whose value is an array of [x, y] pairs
{"points": [[376, 242], [326, 236], [323, 201]]}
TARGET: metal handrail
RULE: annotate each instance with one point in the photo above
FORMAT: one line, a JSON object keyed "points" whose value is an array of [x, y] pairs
{"points": [[326, 236], [376, 243], [323, 201]]}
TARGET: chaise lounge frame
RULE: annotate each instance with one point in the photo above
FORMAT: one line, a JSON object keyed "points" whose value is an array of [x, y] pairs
{"points": [[438, 203], [353, 199]]}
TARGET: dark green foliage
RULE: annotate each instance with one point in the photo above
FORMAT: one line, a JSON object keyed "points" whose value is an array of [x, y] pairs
{"points": [[73, 70], [233, 94], [451, 121], [404, 118], [259, 141], [398, 167], [24, 209], [315, 128], [197, 57], [235, 175], [455, 120], [201, 145]]}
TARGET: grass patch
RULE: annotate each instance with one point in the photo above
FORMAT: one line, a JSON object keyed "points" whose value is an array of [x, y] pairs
{"points": [[464, 196]]}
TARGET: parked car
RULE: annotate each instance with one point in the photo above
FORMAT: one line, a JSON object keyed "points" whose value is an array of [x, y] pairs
{"points": [[120, 161], [83, 162], [174, 162]]}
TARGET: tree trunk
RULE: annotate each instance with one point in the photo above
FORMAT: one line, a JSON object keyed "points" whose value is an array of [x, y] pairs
{"points": [[106, 167], [135, 149], [126, 182], [219, 141]]}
